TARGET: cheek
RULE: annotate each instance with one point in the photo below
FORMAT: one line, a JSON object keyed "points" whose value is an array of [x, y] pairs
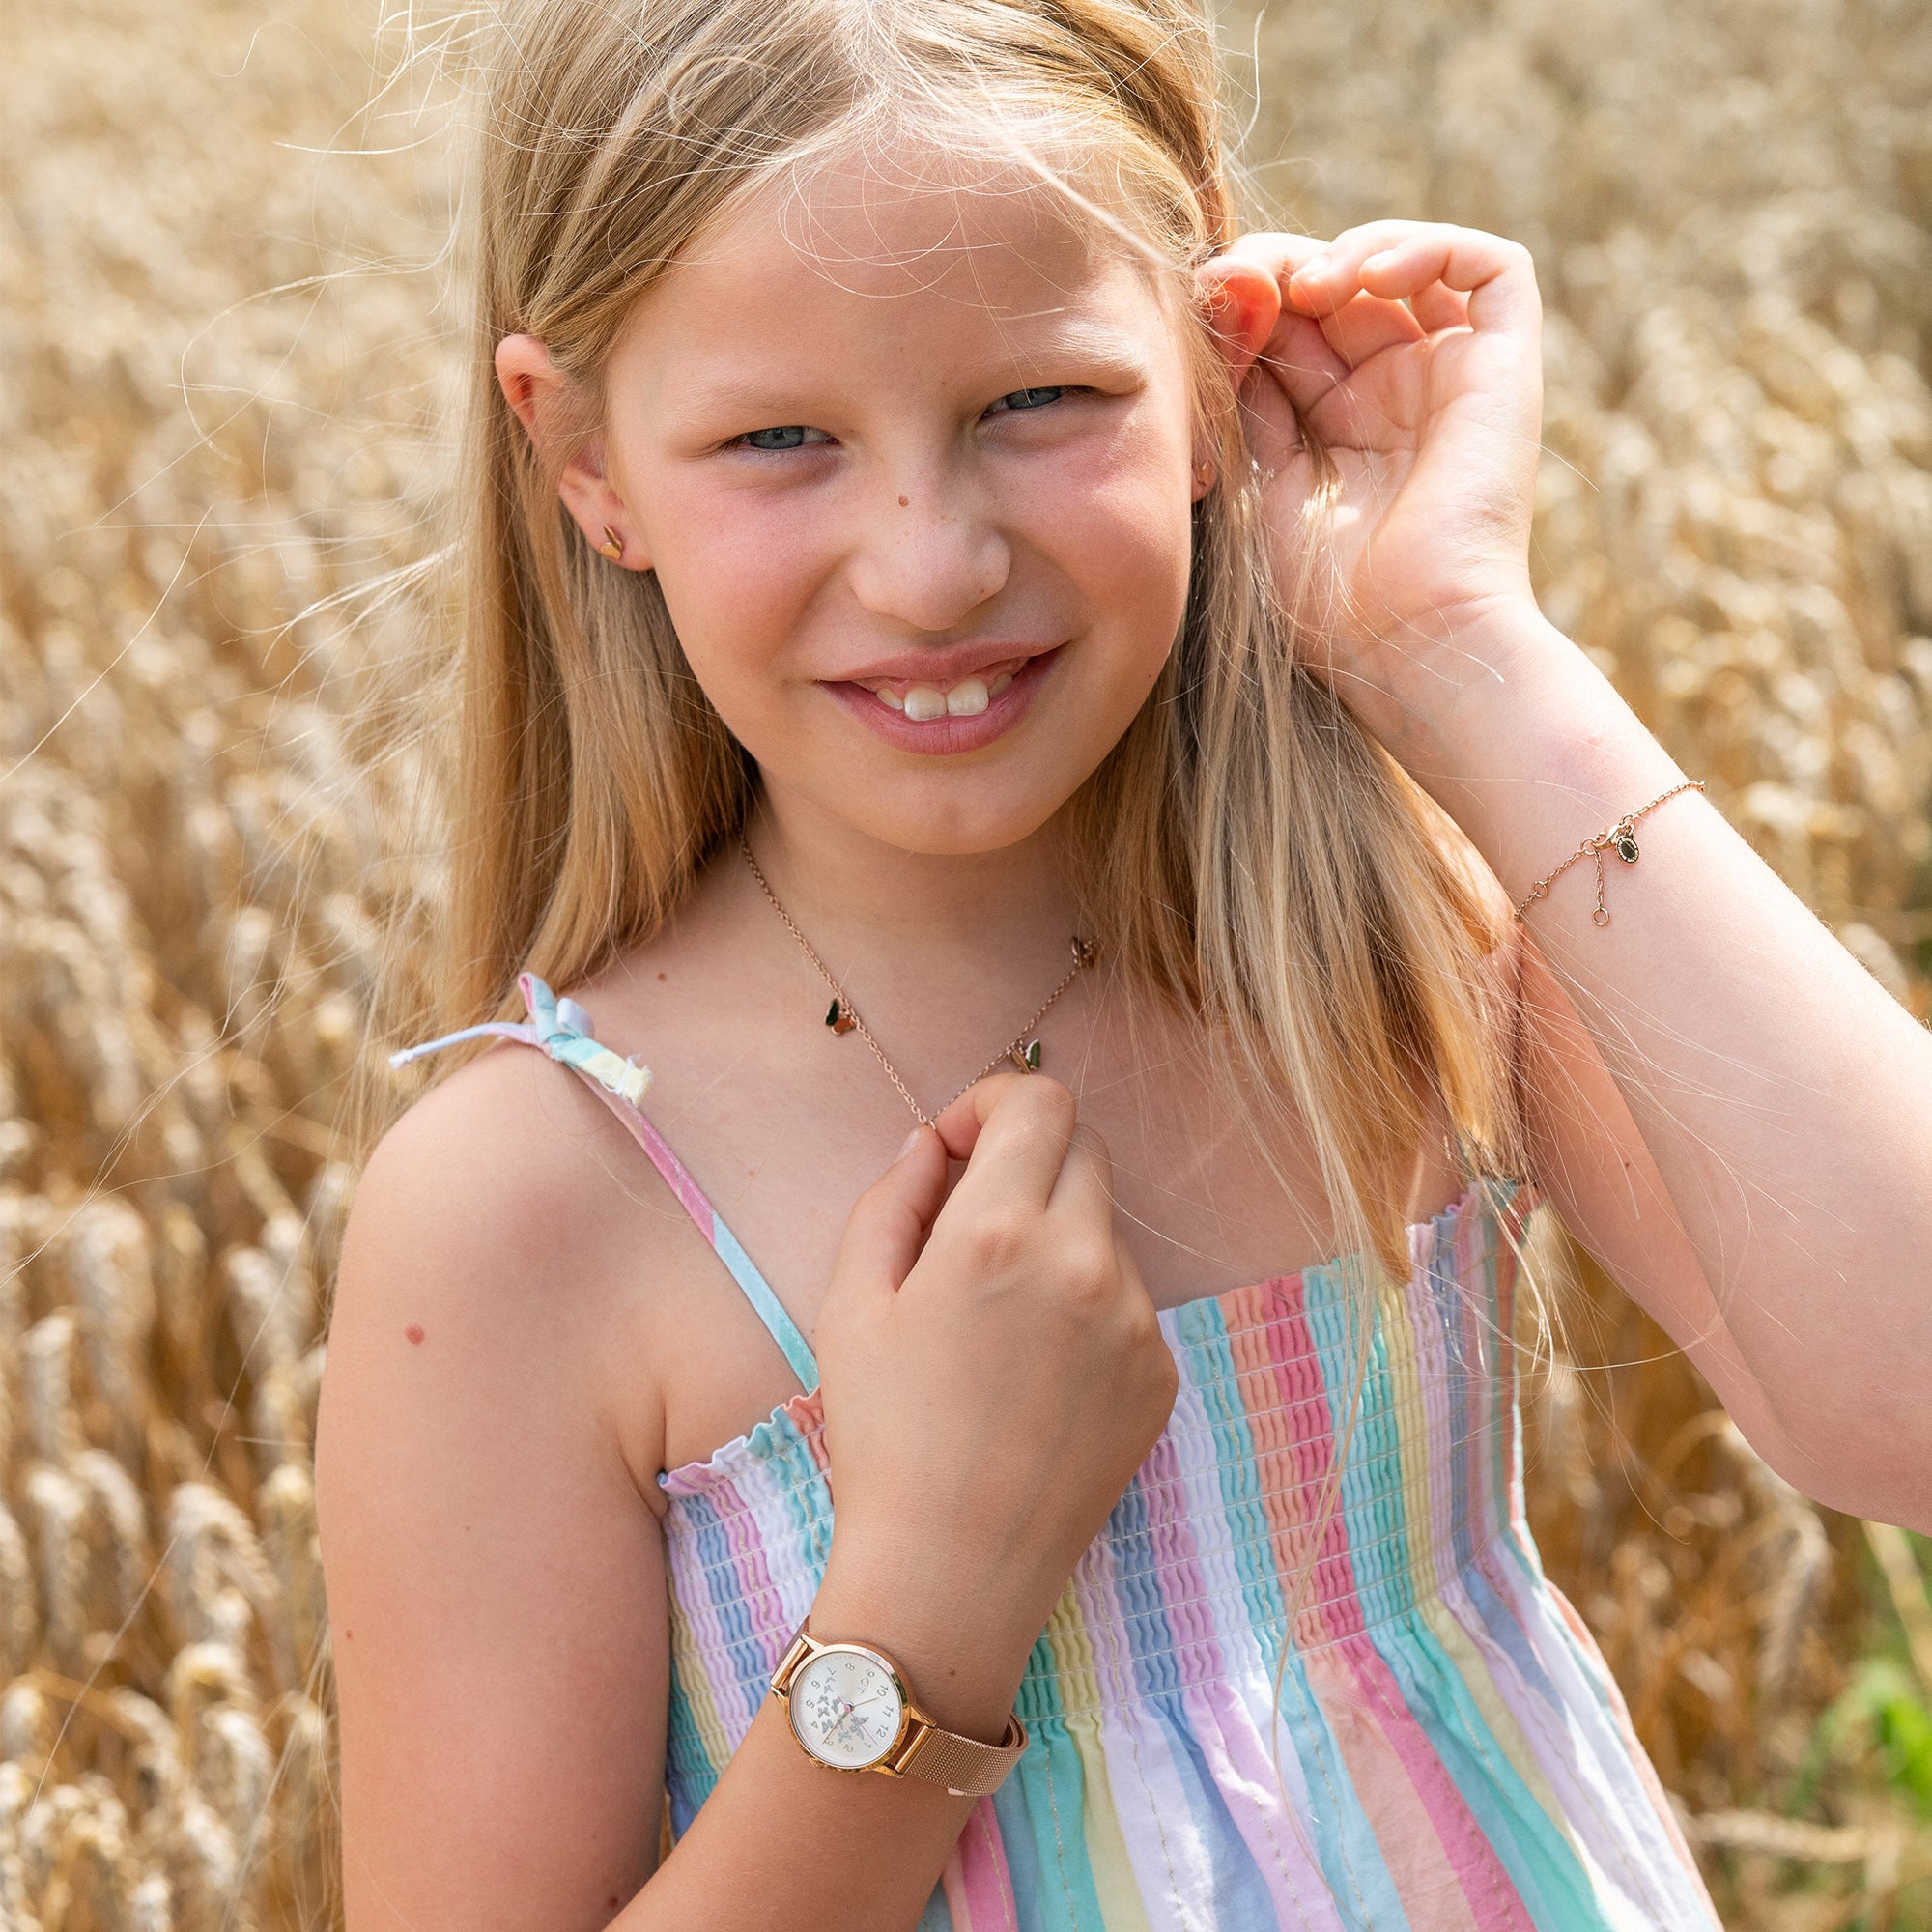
{"points": [[1118, 523], [737, 572]]}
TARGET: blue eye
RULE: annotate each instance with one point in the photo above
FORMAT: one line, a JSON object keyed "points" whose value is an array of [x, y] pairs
{"points": [[1030, 399], [792, 436]]}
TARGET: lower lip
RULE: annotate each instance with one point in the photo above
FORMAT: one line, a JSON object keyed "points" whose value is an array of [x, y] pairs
{"points": [[945, 736]]}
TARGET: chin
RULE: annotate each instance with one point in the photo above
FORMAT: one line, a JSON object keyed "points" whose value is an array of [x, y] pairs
{"points": [[988, 800], [958, 828]]}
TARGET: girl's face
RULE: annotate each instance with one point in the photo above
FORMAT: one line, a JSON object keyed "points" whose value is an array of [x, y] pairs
{"points": [[914, 468]]}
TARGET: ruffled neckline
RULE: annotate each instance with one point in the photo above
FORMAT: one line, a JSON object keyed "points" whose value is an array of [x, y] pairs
{"points": [[804, 1413]]}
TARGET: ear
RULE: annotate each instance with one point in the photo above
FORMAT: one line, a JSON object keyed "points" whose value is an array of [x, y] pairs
{"points": [[1243, 305], [533, 386]]}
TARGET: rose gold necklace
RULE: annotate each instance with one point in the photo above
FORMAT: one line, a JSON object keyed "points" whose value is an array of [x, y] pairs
{"points": [[842, 1018]]}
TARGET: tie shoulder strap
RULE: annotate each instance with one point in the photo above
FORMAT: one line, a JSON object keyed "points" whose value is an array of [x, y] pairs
{"points": [[562, 1028]]}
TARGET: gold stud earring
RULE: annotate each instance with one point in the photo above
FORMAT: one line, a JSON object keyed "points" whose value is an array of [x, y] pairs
{"points": [[613, 545]]}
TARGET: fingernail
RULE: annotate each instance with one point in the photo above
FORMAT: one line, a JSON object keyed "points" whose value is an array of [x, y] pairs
{"points": [[1377, 261], [1316, 269], [907, 1145]]}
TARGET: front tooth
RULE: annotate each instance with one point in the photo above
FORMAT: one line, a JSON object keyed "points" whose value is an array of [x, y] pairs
{"points": [[967, 699], [925, 702], [999, 683], [889, 698]]}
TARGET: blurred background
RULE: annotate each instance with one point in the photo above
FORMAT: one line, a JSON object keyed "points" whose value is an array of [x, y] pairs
{"points": [[227, 397]]}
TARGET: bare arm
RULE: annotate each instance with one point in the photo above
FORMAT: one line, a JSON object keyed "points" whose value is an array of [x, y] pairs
{"points": [[496, 1579], [1728, 1106], [1729, 1110], [496, 1583]]}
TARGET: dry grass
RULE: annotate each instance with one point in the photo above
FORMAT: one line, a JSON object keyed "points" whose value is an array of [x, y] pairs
{"points": [[202, 804]]}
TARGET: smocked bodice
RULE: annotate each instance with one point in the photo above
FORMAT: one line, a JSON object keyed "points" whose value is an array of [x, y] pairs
{"points": [[1441, 1717], [1437, 1745]]}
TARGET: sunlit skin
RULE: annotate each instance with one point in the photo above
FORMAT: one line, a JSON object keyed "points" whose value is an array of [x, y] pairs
{"points": [[990, 446], [1724, 1078], [1413, 351]]}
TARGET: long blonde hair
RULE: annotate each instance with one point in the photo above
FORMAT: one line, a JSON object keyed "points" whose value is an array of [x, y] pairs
{"points": [[1247, 848]]}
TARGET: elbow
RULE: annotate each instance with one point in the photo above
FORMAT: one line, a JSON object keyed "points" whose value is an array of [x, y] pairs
{"points": [[1883, 1474]]}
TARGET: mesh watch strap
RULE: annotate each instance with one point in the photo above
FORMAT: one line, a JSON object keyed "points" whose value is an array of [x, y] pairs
{"points": [[965, 1767]]}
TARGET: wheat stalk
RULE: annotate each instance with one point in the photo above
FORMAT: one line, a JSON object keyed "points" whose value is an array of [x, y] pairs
{"points": [[206, 828]]}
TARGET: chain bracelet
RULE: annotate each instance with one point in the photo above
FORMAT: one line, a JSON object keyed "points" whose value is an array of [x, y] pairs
{"points": [[1620, 838]]}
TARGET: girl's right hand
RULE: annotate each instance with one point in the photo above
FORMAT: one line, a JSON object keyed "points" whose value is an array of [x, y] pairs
{"points": [[993, 1375]]}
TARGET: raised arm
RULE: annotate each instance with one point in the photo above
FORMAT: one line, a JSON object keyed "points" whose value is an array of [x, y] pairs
{"points": [[1727, 1106], [1781, 1097]]}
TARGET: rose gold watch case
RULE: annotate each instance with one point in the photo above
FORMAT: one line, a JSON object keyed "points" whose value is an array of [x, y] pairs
{"points": [[916, 1731], [803, 1650]]}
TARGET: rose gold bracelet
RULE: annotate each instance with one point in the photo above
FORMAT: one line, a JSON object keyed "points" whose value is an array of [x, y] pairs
{"points": [[1620, 839]]}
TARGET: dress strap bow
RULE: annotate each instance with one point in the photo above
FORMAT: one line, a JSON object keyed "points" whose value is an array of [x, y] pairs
{"points": [[563, 1029]]}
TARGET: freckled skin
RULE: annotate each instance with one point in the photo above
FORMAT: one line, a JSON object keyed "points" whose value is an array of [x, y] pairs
{"points": [[1069, 522], [414, 1332]]}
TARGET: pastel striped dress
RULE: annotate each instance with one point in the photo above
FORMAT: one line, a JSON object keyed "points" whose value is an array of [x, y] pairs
{"points": [[1442, 1744]]}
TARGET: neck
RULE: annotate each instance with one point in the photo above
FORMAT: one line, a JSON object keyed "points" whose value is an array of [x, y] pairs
{"points": [[938, 948], [842, 885]]}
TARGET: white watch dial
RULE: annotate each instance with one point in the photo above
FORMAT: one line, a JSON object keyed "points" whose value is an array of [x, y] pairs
{"points": [[845, 1708]]}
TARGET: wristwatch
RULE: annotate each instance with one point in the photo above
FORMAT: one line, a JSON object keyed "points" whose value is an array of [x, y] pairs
{"points": [[851, 1710]]}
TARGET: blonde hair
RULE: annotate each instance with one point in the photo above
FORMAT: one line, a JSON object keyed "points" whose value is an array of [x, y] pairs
{"points": [[1246, 849]]}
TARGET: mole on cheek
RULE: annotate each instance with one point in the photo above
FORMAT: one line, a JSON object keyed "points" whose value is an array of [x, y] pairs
{"points": [[414, 1332], [904, 502]]}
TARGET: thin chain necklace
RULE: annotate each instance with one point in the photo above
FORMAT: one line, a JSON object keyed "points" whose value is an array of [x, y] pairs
{"points": [[842, 1018]]}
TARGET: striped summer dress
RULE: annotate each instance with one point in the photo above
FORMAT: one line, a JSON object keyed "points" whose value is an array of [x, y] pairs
{"points": [[1444, 1749]]}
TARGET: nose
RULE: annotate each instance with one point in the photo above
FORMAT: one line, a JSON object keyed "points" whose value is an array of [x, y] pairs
{"points": [[930, 554]]}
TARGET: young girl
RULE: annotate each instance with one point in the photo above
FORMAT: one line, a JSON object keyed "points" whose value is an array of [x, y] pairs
{"points": [[1011, 716]]}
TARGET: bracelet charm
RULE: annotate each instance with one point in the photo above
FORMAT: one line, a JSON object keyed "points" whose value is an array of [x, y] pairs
{"points": [[1620, 839]]}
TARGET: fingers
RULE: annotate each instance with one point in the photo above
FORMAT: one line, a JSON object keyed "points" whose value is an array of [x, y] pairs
{"points": [[959, 1122], [1274, 252], [890, 1222], [1085, 1187], [1081, 1184], [1306, 350], [1366, 324], [1398, 261], [1439, 306], [1012, 1129]]}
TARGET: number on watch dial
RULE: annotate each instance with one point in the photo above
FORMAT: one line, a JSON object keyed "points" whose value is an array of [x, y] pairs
{"points": [[846, 1709]]}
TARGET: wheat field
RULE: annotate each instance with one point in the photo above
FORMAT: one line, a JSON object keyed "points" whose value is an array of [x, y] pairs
{"points": [[227, 372]]}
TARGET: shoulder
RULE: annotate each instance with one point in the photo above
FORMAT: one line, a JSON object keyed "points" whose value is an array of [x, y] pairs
{"points": [[495, 1571], [502, 1176], [506, 1133], [490, 1231]]}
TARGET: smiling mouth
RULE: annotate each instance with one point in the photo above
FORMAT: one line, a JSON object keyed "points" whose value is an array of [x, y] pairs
{"points": [[965, 714], [926, 700], [921, 702]]}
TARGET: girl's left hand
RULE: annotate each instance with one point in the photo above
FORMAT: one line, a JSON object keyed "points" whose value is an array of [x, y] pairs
{"points": [[1412, 351]]}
